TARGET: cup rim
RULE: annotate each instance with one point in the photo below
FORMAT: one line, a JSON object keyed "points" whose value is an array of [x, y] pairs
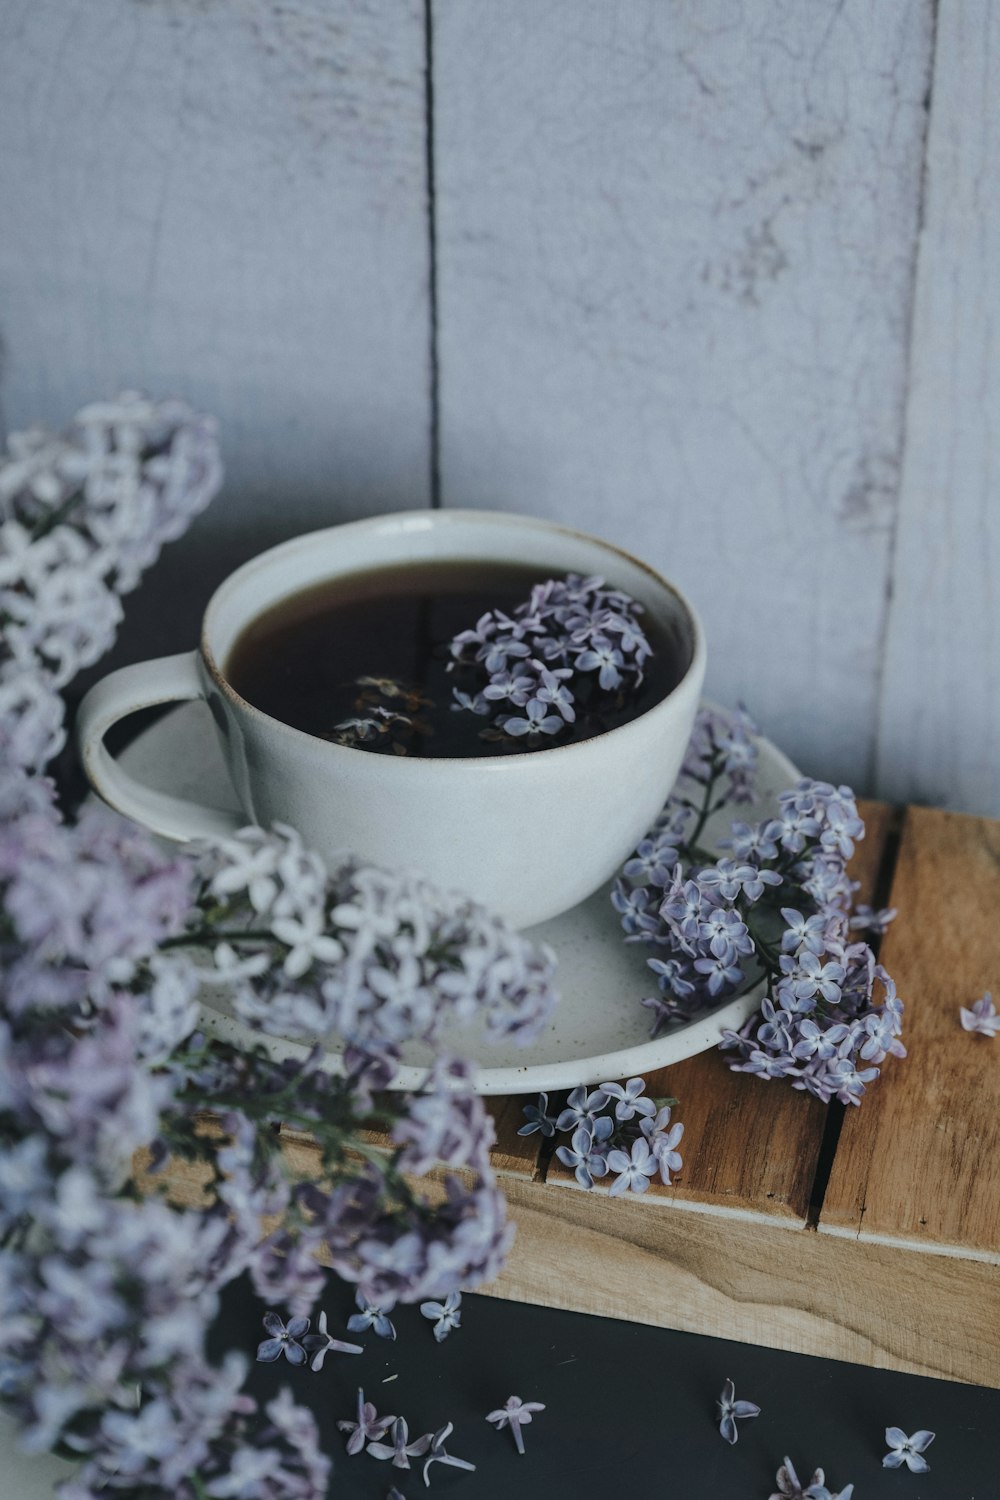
{"points": [[693, 672]]}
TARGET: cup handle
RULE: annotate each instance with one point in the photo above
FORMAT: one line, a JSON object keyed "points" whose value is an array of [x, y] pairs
{"points": [[169, 679]]}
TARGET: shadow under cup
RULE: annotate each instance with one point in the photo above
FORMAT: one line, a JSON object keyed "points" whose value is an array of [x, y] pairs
{"points": [[529, 835]]}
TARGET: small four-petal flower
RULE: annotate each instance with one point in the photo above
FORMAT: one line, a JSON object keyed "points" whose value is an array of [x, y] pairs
{"points": [[282, 1340], [370, 1315], [445, 1315], [907, 1450], [731, 1411]]}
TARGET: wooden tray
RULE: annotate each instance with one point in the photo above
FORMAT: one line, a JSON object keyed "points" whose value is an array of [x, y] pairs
{"points": [[871, 1234]]}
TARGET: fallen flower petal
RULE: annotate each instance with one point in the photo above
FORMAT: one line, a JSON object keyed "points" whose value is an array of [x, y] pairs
{"points": [[515, 1414], [731, 1411]]}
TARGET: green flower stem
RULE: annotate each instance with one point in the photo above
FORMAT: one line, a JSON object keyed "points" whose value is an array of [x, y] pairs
{"points": [[56, 517], [706, 810], [204, 936]]}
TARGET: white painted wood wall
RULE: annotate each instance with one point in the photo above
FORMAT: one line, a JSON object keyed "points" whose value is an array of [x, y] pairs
{"points": [[715, 280]]}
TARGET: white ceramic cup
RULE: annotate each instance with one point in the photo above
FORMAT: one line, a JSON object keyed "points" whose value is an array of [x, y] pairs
{"points": [[530, 835]]}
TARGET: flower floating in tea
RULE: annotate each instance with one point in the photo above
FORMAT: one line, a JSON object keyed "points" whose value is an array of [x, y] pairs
{"points": [[574, 649], [387, 712]]}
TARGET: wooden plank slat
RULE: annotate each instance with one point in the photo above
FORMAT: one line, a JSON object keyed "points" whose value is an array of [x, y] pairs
{"points": [[750, 1147], [674, 271], [809, 1293], [939, 716], [919, 1163]]}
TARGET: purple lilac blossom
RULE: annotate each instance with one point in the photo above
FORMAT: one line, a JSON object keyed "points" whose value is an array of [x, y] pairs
{"points": [[731, 1411], [537, 1118], [630, 1099], [282, 1340], [981, 1016], [573, 645], [778, 910], [400, 1450], [321, 1343], [514, 1414], [617, 1128], [437, 1453], [790, 1486], [908, 1450], [581, 1108], [634, 1168], [371, 1315], [368, 1427], [444, 1315], [585, 1154]]}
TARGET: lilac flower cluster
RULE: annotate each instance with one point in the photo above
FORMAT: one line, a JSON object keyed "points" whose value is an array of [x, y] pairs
{"points": [[616, 1130], [775, 907], [107, 1285], [374, 956], [573, 646], [81, 517]]}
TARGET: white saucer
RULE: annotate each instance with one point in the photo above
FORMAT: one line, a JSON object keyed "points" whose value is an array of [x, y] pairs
{"points": [[600, 1031]]}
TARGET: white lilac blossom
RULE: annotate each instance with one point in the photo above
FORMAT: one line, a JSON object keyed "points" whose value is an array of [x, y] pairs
{"points": [[374, 956], [437, 1453], [370, 1315], [514, 1414], [981, 1016], [572, 651], [908, 1450], [732, 1411], [775, 908], [790, 1486], [81, 517], [444, 1315]]}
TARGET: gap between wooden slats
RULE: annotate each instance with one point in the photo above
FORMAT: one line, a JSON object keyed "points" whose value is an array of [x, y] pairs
{"points": [[751, 1147], [918, 1165]]}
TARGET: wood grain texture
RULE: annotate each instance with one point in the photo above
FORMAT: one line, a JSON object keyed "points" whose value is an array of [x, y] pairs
{"points": [[227, 201], [675, 247], [939, 720], [919, 1163], [759, 1284], [750, 1150]]}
